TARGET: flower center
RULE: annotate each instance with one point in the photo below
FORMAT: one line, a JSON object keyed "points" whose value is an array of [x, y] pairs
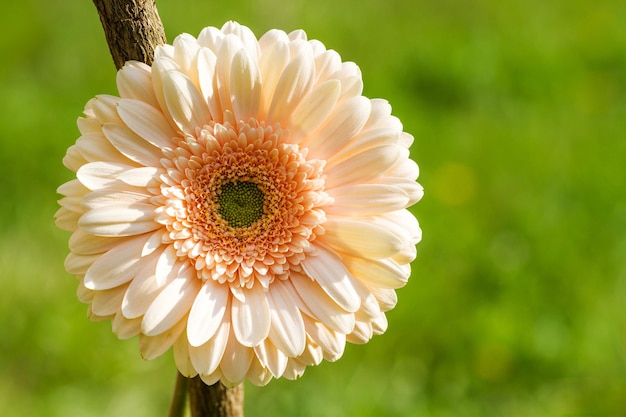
{"points": [[240, 203]]}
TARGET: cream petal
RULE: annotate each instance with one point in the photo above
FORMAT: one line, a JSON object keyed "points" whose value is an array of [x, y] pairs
{"points": [[366, 199], [206, 357], [362, 333], [322, 306], [119, 220], [332, 276], [247, 37], [134, 80], [327, 64], [96, 175], [131, 145], [107, 302], [73, 159], [152, 347], [245, 86], [379, 326], [251, 316], [236, 361], [271, 357], [211, 37], [363, 167], [185, 54], [72, 203], [207, 312], [315, 108], [103, 108], [82, 243], [182, 357], [77, 264], [294, 83], [385, 273], [387, 298], [143, 289], [208, 82], [366, 139], [186, 105], [96, 147], [361, 238], [231, 44], [147, 122], [107, 197], [144, 177], [274, 58], [294, 370], [346, 120], [172, 303], [287, 329], [117, 266], [333, 343], [73, 188], [258, 374], [166, 265], [66, 219], [125, 328]]}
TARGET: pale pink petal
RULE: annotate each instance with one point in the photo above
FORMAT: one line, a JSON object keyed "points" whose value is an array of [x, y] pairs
{"points": [[367, 199], [385, 273], [315, 108], [236, 361], [271, 357], [152, 347], [182, 357], [363, 167], [119, 220], [245, 86], [134, 80], [206, 357], [131, 145]]}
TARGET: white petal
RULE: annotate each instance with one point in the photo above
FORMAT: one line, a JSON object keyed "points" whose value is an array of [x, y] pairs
{"points": [[185, 103], [367, 199], [245, 86], [119, 220], [322, 306], [251, 316], [132, 145], [207, 312], [147, 122], [287, 329], [172, 304], [327, 269], [361, 238], [117, 266], [294, 83], [206, 357]]}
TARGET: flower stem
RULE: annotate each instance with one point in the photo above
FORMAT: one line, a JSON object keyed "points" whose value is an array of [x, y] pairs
{"points": [[179, 397], [132, 28], [215, 400]]}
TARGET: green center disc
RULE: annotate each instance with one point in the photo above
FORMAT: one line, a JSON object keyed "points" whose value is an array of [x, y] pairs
{"points": [[240, 203]]}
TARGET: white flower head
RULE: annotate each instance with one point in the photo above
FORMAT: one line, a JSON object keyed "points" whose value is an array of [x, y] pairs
{"points": [[243, 203]]}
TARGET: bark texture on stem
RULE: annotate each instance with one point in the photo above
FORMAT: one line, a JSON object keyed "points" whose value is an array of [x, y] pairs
{"points": [[215, 400], [133, 29]]}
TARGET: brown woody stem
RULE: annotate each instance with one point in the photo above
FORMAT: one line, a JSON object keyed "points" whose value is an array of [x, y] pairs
{"points": [[133, 29]]}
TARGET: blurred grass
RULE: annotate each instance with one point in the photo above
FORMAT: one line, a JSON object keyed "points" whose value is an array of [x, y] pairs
{"points": [[516, 304]]}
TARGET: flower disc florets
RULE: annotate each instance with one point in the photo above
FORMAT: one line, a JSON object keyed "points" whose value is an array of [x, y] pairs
{"points": [[242, 203]]}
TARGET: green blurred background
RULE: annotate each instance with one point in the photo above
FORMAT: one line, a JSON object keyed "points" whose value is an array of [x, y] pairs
{"points": [[517, 302]]}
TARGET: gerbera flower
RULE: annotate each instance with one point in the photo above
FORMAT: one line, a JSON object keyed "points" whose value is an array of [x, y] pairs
{"points": [[243, 203]]}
